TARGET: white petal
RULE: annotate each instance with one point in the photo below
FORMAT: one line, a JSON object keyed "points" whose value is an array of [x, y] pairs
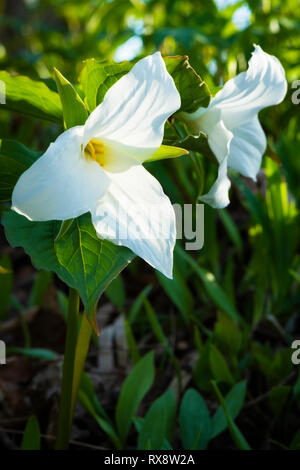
{"points": [[246, 148], [61, 184], [219, 140], [262, 85], [136, 213], [217, 196], [135, 108]]}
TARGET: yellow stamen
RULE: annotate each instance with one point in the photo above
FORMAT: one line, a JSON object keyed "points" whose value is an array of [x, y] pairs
{"points": [[95, 150]]}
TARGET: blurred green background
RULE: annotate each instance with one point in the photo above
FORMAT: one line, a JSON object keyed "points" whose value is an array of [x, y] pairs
{"points": [[232, 311]]}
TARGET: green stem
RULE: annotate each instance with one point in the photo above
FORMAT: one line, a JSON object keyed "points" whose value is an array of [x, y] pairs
{"points": [[82, 347], [65, 409]]}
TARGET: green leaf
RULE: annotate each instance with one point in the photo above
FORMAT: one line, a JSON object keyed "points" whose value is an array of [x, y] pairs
{"points": [[134, 389], [32, 435], [193, 90], [31, 98], [6, 285], [79, 258], [236, 434], [64, 227], [167, 151], [39, 353], [74, 110], [15, 158], [194, 421], [98, 76], [159, 422], [234, 401], [89, 401], [219, 367]]}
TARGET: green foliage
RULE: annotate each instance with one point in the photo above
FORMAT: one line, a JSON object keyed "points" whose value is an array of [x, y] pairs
{"points": [[74, 110], [234, 305], [32, 98], [158, 424], [133, 391], [97, 77], [15, 158], [79, 258], [195, 422], [32, 436]]}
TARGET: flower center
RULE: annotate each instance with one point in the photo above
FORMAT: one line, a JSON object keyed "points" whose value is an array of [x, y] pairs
{"points": [[95, 150]]}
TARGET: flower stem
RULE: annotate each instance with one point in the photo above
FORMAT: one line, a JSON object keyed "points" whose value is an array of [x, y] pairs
{"points": [[65, 409]]}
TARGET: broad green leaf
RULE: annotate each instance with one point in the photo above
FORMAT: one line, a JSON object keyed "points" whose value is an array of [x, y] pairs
{"points": [[74, 110], [234, 402], [219, 367], [79, 258], [30, 97], [15, 158], [236, 434], [193, 90], [64, 227], [32, 435], [39, 353], [6, 285], [138, 422], [98, 76], [90, 263], [134, 389], [159, 422], [194, 421], [167, 151]]}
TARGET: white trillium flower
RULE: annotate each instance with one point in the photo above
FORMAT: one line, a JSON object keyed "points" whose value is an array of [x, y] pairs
{"points": [[98, 168], [231, 121]]}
